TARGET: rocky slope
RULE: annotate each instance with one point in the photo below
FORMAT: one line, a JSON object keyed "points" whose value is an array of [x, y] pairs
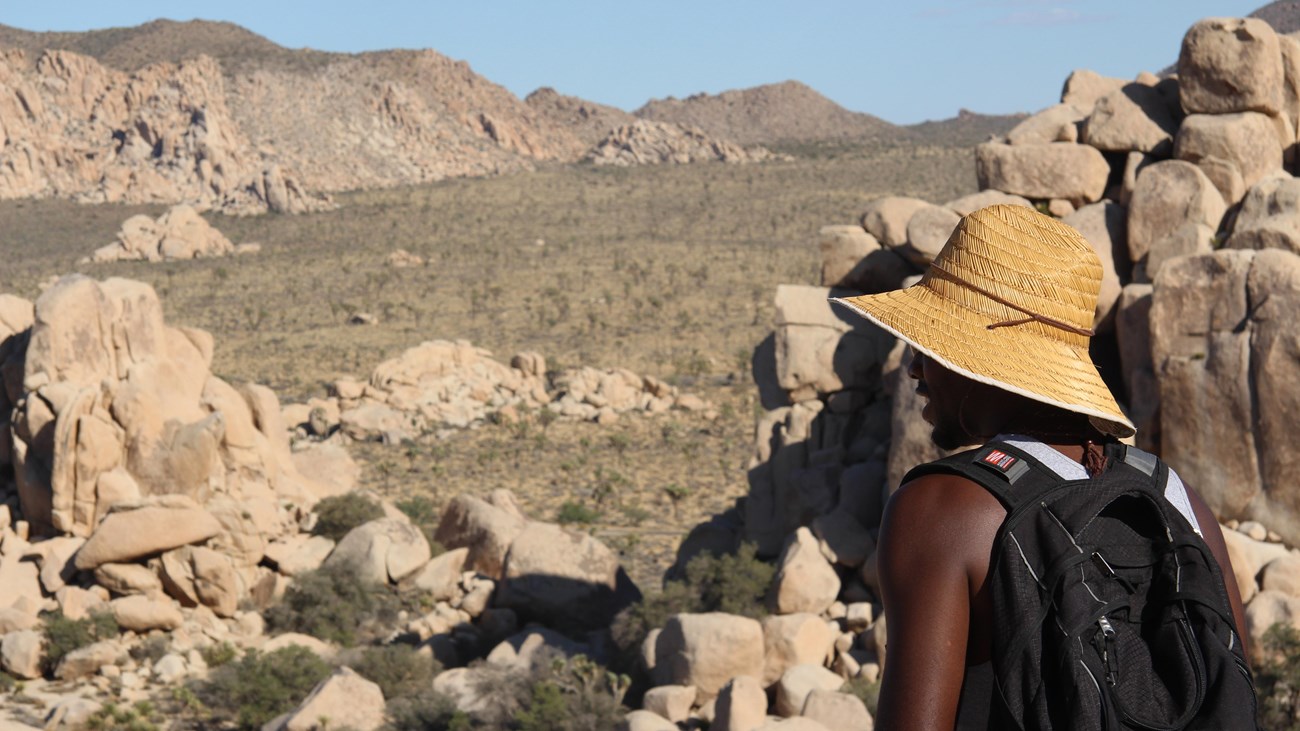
{"points": [[214, 116], [786, 112], [590, 121]]}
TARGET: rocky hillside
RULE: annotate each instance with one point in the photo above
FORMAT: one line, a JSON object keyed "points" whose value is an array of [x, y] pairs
{"points": [[215, 116], [590, 121], [1283, 15], [212, 115], [784, 112], [130, 49]]}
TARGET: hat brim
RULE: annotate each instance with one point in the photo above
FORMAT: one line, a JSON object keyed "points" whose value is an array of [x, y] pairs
{"points": [[1013, 358]]}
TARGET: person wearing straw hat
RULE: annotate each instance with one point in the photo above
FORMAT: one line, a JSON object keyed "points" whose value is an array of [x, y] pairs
{"points": [[999, 326]]}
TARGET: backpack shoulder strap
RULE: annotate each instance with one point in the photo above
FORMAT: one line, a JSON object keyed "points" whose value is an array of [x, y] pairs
{"points": [[998, 468]]}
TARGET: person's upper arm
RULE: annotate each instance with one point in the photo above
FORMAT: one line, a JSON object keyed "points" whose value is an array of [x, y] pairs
{"points": [[936, 531]]}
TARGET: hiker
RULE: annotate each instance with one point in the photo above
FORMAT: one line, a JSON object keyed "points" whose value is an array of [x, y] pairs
{"points": [[1000, 326]]}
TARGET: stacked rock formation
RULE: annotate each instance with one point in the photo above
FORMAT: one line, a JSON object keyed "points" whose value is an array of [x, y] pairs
{"points": [[143, 469], [135, 483], [180, 233], [443, 385]]}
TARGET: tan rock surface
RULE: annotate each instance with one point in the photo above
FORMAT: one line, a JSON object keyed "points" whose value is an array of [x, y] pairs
{"points": [[1230, 65], [1057, 170], [561, 578], [836, 710], [647, 142], [1223, 345], [1234, 150], [141, 613], [671, 702], [485, 530], [886, 218], [343, 700], [741, 706], [798, 682], [1168, 195], [130, 533], [707, 651], [794, 639], [805, 581]]}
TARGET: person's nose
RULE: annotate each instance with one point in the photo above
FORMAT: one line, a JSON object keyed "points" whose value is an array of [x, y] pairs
{"points": [[914, 369]]}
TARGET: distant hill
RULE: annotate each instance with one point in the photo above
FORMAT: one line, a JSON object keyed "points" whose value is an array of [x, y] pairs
{"points": [[786, 112], [238, 49], [1283, 15], [214, 115], [966, 129], [590, 121]]}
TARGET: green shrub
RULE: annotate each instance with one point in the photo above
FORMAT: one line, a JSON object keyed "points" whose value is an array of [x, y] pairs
{"points": [[256, 688], [151, 650], [576, 695], [1277, 678], [867, 691], [424, 515], [736, 584], [572, 512], [333, 604], [142, 716], [399, 670], [337, 515], [219, 654], [63, 635], [427, 712]]}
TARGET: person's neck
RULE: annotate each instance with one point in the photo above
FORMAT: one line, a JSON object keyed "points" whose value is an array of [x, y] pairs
{"points": [[1071, 446]]}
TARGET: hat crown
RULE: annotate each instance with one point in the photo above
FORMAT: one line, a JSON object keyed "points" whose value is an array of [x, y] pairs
{"points": [[1011, 263]]}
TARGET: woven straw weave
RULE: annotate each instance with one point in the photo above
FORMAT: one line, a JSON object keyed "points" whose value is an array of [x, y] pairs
{"points": [[1040, 266]]}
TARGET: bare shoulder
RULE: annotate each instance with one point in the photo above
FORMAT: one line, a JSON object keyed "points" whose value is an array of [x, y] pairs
{"points": [[940, 518], [942, 501]]}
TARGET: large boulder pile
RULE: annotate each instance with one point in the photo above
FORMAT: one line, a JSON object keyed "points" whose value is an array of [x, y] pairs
{"points": [[646, 142], [74, 128], [127, 469], [442, 384], [1181, 185], [180, 233]]}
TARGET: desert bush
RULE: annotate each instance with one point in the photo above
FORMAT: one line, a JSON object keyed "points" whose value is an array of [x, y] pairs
{"points": [[424, 515], [258, 687], [427, 712], [736, 584], [142, 716], [219, 654], [576, 694], [337, 515], [399, 670], [1277, 679], [575, 512], [151, 650], [333, 604], [867, 691], [63, 635]]}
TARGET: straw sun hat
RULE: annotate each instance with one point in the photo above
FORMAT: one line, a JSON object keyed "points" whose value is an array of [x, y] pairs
{"points": [[1008, 302]]}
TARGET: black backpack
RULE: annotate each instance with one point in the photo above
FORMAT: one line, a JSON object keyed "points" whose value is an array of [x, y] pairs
{"points": [[1109, 610]]}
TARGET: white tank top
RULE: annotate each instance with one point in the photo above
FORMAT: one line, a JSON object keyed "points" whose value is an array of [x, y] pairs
{"points": [[1068, 469]]}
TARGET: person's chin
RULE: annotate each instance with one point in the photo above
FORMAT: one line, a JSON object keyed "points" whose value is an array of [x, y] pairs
{"points": [[946, 439]]}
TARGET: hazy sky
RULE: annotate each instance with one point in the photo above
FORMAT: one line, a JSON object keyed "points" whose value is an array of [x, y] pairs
{"points": [[904, 61]]}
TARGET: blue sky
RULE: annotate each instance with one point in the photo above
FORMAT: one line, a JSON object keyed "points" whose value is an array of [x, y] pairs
{"points": [[904, 61]]}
